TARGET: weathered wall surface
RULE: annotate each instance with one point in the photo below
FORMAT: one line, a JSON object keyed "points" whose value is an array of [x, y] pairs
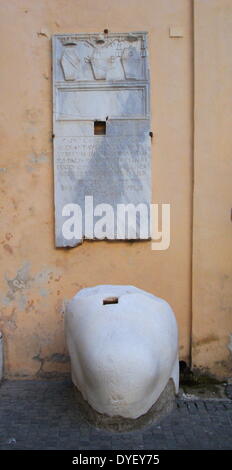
{"points": [[212, 254], [35, 277]]}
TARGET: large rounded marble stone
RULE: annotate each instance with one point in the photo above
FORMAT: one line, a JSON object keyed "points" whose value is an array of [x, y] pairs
{"points": [[123, 345]]}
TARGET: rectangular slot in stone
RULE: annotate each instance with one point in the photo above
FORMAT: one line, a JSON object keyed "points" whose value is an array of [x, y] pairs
{"points": [[99, 128], [110, 300]]}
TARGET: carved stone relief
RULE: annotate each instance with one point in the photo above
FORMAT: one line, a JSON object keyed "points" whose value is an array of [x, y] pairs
{"points": [[100, 77]]}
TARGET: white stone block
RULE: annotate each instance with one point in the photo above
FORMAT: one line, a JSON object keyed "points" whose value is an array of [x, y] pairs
{"points": [[124, 352], [100, 78]]}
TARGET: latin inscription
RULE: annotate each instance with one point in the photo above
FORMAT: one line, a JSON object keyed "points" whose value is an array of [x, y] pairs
{"points": [[100, 77], [76, 154]]}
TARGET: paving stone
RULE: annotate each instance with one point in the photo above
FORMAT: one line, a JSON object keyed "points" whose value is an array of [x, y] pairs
{"points": [[45, 415]]}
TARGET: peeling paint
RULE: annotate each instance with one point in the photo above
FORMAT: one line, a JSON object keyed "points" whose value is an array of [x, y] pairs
{"points": [[29, 305], [43, 33], [22, 302], [21, 280], [37, 158], [30, 169], [43, 292], [39, 359], [9, 320], [6, 300], [8, 248], [207, 340], [46, 274], [58, 357], [20, 285], [8, 236]]}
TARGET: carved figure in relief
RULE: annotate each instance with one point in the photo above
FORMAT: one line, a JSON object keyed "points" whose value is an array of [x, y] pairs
{"points": [[70, 62], [99, 64], [107, 60], [132, 63]]}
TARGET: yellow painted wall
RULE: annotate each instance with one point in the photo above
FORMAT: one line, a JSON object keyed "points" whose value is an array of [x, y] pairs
{"points": [[212, 236], [35, 277]]}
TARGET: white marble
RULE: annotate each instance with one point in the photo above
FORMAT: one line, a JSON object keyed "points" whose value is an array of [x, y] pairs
{"points": [[122, 354], [100, 78], [101, 103], [132, 63]]}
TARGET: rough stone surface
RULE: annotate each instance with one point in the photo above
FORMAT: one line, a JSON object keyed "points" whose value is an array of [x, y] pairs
{"points": [[162, 407], [123, 346], [101, 78], [229, 390], [45, 415]]}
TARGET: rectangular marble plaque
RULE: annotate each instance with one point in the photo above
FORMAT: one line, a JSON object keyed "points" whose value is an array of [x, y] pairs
{"points": [[101, 77]]}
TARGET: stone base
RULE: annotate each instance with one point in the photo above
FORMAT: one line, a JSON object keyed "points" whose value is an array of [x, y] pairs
{"points": [[161, 408]]}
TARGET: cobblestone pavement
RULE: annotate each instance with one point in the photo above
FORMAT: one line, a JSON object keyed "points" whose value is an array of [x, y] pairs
{"points": [[45, 415]]}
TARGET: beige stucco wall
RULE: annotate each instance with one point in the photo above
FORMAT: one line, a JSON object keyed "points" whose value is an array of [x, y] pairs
{"points": [[32, 299], [35, 277], [212, 236]]}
